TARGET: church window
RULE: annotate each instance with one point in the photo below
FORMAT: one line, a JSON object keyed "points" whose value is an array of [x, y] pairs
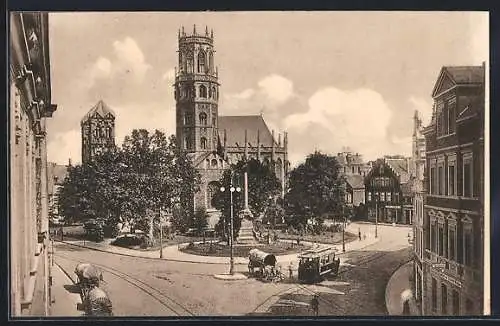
{"points": [[203, 118], [214, 93], [203, 143], [211, 61], [190, 63], [201, 62], [188, 142], [203, 91], [214, 120]]}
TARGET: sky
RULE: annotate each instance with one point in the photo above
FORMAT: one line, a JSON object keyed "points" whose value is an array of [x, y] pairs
{"points": [[330, 79]]}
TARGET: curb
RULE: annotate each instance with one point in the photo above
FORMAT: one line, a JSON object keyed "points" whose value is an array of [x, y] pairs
{"points": [[389, 282], [197, 262], [385, 224], [144, 257]]}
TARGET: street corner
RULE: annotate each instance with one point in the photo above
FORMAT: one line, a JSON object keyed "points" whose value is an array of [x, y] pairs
{"points": [[230, 277]]}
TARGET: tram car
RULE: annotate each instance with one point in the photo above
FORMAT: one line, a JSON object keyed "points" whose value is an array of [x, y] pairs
{"points": [[95, 301], [315, 264], [263, 265]]}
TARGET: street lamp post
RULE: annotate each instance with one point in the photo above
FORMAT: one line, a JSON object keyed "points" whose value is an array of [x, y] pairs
{"points": [[231, 190], [376, 216]]}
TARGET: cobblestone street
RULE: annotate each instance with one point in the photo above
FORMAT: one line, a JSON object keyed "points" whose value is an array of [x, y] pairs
{"points": [[150, 287], [360, 287]]}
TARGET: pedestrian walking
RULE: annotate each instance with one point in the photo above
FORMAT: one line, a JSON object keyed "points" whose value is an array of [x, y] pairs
{"points": [[315, 304], [364, 236], [359, 233], [290, 270]]}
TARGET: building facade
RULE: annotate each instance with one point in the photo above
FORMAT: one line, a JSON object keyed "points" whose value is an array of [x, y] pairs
{"points": [[387, 191], [97, 130], [56, 175], [418, 161], [453, 212], [354, 169], [30, 107], [214, 142]]}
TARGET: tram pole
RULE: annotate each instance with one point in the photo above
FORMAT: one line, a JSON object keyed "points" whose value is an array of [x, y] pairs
{"points": [[231, 259], [343, 230], [376, 216]]}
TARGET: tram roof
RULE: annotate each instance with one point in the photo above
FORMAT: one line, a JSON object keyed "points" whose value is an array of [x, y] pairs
{"points": [[317, 252]]}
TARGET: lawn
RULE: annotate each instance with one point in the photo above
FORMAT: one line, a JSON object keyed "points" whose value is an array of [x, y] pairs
{"points": [[223, 250], [325, 237]]}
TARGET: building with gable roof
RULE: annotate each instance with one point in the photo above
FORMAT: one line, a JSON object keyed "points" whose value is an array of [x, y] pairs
{"points": [[388, 190], [453, 260], [97, 130], [213, 142]]}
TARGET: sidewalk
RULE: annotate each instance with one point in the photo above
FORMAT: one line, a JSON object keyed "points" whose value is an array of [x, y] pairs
{"points": [[65, 294], [398, 292], [173, 253]]}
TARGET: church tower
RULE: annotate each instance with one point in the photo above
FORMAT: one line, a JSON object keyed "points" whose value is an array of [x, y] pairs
{"points": [[196, 93], [98, 131]]}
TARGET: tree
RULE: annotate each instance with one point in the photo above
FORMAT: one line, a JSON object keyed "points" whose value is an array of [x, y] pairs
{"points": [[135, 183], [274, 214], [200, 220], [262, 185], [316, 188], [77, 195]]}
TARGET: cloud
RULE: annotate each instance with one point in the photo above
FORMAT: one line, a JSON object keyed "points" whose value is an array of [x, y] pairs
{"points": [[127, 64], [336, 118], [423, 107], [130, 58], [276, 88], [269, 95], [63, 146], [169, 75]]}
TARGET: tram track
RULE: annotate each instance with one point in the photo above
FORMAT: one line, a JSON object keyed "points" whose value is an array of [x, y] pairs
{"points": [[369, 258], [162, 298]]}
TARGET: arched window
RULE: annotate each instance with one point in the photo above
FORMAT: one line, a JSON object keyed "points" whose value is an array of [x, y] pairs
{"points": [[201, 62], [214, 93], [190, 63], [187, 142], [203, 119], [212, 189], [203, 91], [181, 65], [203, 142], [214, 163], [211, 61], [187, 118]]}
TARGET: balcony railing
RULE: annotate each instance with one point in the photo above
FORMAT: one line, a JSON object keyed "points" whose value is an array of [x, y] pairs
{"points": [[465, 273]]}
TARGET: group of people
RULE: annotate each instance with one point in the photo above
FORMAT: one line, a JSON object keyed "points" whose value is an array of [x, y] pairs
{"points": [[95, 300]]}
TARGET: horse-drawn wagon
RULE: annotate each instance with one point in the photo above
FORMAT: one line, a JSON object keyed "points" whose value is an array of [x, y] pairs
{"points": [[263, 265]]}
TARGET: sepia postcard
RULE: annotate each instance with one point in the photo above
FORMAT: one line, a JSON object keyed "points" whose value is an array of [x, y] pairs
{"points": [[299, 163]]}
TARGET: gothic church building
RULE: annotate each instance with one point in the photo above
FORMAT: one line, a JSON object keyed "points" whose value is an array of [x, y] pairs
{"points": [[212, 141]]}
